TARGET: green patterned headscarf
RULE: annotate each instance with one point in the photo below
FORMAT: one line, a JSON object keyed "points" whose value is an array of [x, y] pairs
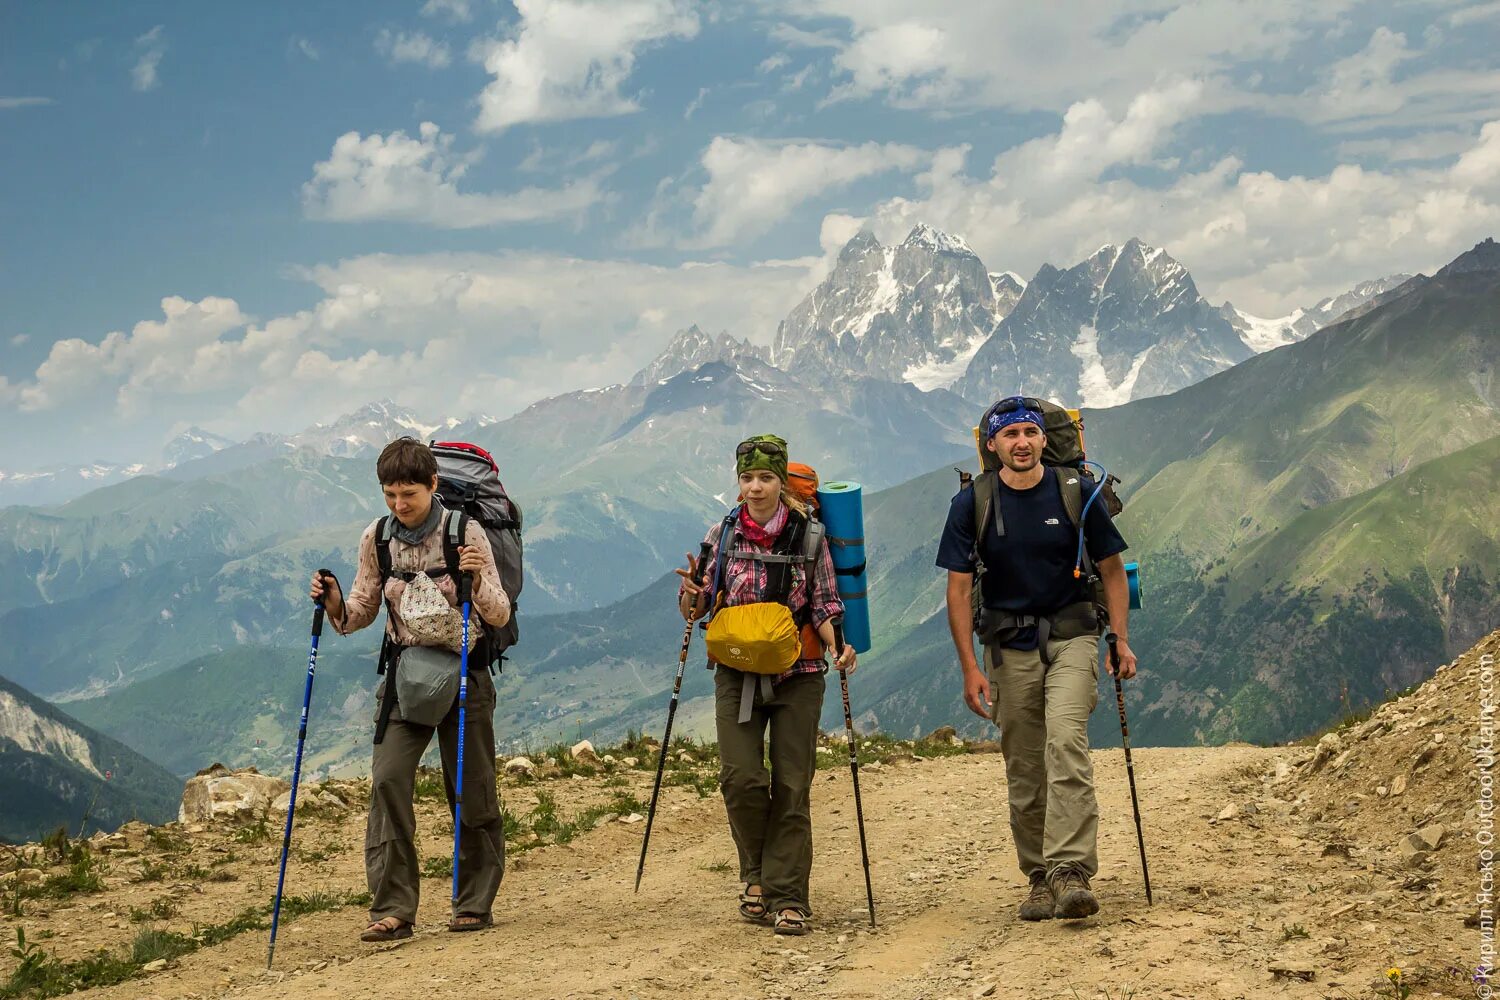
{"points": [[772, 459]]}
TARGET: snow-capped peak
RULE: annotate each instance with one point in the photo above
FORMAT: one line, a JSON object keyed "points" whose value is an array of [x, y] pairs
{"points": [[928, 238]]}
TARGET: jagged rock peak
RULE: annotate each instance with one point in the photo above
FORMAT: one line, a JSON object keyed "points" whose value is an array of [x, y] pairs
{"points": [[929, 238], [689, 349], [1485, 256], [859, 244]]}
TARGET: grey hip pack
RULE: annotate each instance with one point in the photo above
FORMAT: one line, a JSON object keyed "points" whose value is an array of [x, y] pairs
{"points": [[426, 680]]}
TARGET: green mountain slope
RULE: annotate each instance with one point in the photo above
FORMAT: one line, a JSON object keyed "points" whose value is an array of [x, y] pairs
{"points": [[1221, 462], [241, 706], [54, 771]]}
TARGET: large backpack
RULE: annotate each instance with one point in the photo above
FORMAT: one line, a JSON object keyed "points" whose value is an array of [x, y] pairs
{"points": [[1064, 453], [469, 486]]}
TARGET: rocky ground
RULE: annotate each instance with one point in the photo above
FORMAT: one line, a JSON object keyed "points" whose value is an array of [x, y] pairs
{"points": [[1303, 871]]}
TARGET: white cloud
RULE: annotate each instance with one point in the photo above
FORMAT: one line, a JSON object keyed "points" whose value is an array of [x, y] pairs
{"points": [[1022, 56], [302, 46], [753, 184], [25, 102], [1268, 242], [413, 47], [149, 48], [400, 178], [146, 359], [456, 11], [19, 339], [458, 332], [568, 59], [773, 62], [695, 104]]}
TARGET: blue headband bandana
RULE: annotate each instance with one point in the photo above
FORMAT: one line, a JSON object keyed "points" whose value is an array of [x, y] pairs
{"points": [[1013, 410]]}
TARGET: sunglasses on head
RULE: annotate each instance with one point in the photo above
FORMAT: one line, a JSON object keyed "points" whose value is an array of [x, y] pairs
{"points": [[1013, 403], [764, 447]]}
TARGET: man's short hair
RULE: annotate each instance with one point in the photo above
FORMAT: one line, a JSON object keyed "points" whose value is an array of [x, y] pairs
{"points": [[406, 460]]}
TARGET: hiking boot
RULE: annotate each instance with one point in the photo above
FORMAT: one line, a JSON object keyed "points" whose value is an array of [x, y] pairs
{"points": [[1074, 898], [1038, 902]]}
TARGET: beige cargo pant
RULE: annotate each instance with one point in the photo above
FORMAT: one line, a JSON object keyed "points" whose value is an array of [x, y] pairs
{"points": [[391, 868], [1043, 714], [770, 813]]}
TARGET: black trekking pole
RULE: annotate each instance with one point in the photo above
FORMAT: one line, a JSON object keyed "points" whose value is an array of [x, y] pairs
{"points": [[1135, 805], [859, 810], [666, 737], [291, 805], [465, 592]]}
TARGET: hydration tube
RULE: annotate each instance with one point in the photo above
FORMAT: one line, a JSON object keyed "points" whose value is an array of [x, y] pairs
{"points": [[1102, 478]]}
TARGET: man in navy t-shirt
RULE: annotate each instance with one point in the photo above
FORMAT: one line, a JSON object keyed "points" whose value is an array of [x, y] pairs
{"points": [[1041, 637]]}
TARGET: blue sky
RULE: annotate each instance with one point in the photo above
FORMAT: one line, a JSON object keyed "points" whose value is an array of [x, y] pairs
{"points": [[250, 217]]}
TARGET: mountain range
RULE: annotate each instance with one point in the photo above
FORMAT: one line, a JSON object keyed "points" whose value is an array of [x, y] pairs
{"points": [[1240, 488]]}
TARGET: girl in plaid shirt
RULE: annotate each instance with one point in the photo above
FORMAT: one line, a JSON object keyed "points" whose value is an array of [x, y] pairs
{"points": [[770, 814]]}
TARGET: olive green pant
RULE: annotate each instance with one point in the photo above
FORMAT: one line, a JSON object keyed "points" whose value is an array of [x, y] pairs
{"points": [[1043, 714], [391, 867], [770, 814]]}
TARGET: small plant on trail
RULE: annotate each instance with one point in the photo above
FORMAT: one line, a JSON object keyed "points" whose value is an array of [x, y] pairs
{"points": [[255, 833], [429, 786], [439, 867], [152, 873], [721, 867], [166, 841], [1399, 989], [1289, 933]]}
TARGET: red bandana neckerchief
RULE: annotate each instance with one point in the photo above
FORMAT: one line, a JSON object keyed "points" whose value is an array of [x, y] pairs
{"points": [[758, 535]]}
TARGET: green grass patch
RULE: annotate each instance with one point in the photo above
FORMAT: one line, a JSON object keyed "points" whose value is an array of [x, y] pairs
{"points": [[255, 833], [439, 867]]}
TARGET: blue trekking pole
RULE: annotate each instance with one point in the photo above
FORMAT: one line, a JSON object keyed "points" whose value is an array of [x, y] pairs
{"points": [[465, 586], [291, 806]]}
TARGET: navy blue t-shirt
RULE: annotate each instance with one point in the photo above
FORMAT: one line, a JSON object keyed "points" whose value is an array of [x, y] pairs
{"points": [[1030, 571]]}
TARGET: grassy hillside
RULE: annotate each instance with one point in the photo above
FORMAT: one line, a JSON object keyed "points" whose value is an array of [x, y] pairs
{"points": [[240, 707], [1220, 463]]}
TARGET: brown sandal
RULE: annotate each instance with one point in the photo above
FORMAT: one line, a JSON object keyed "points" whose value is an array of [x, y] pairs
{"points": [[753, 906], [792, 921], [473, 922], [383, 930]]}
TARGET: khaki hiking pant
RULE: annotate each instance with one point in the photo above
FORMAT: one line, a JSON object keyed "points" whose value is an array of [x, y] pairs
{"points": [[770, 814], [1043, 715], [391, 867]]}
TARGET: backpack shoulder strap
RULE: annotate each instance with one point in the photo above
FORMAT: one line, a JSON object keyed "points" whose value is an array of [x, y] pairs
{"points": [[455, 530], [1070, 488], [812, 540], [986, 510], [779, 573], [384, 529], [726, 535]]}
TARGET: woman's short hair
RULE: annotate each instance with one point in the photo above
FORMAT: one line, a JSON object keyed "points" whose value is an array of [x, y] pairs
{"points": [[406, 460]]}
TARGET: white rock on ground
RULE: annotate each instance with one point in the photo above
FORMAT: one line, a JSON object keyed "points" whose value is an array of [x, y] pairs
{"points": [[218, 795]]}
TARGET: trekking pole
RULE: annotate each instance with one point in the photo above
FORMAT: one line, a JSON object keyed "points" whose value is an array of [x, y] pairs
{"points": [[291, 805], [1135, 805], [859, 811], [704, 551], [465, 588]]}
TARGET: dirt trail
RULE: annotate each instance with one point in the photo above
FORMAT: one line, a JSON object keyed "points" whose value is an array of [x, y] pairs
{"points": [[1230, 899]]}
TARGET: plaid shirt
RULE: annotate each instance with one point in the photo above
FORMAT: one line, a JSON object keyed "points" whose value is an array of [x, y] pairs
{"points": [[745, 580]]}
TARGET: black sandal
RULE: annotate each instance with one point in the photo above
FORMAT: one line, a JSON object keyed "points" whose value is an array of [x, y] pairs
{"points": [[379, 930], [477, 922], [792, 921], [753, 905]]}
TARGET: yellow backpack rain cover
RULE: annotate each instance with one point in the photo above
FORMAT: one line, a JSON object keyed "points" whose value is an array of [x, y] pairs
{"points": [[758, 638]]}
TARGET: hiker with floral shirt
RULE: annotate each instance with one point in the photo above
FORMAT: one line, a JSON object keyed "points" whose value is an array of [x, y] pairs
{"points": [[770, 813], [408, 475]]}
